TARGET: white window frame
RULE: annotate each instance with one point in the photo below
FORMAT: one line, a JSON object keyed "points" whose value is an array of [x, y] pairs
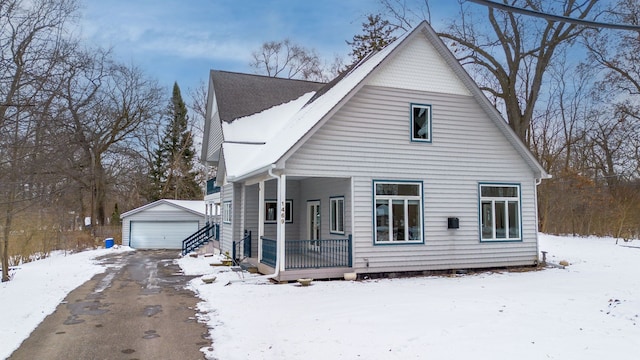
{"points": [[427, 126], [336, 215], [226, 212], [488, 211], [406, 199], [274, 205]]}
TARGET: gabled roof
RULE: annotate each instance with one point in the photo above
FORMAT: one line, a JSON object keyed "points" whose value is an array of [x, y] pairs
{"points": [[244, 160], [240, 95], [196, 207]]}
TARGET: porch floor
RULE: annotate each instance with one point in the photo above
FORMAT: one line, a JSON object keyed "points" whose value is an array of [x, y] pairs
{"points": [[295, 274]]}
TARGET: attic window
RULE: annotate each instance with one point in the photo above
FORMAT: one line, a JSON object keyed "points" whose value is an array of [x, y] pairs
{"points": [[421, 123]]}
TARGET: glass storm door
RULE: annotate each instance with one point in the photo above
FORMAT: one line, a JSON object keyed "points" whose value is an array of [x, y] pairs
{"points": [[313, 224]]}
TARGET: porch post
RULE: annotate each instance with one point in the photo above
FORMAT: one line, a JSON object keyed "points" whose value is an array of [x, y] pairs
{"points": [[260, 217], [243, 202], [282, 204]]}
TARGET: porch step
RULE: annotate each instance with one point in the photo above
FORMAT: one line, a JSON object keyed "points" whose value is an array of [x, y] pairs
{"points": [[248, 267]]}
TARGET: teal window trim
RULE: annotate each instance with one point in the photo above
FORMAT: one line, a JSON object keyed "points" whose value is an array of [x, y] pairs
{"points": [[383, 219], [336, 215], [424, 133], [273, 205], [489, 209], [226, 212]]}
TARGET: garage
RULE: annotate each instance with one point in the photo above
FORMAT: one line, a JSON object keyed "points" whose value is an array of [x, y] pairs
{"points": [[162, 224]]}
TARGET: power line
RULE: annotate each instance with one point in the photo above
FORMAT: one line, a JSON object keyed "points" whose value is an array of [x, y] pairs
{"points": [[560, 18]]}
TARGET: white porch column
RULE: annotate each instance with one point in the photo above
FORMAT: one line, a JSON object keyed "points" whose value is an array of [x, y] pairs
{"points": [[243, 202], [282, 205], [260, 217]]}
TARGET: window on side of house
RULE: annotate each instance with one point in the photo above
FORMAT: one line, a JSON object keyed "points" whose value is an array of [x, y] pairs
{"points": [[398, 212], [337, 215], [271, 211], [421, 122], [500, 211], [226, 212]]}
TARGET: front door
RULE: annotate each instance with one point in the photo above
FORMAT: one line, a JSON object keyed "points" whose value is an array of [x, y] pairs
{"points": [[313, 224]]}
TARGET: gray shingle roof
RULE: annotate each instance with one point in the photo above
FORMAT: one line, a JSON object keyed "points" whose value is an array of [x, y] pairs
{"points": [[240, 94]]}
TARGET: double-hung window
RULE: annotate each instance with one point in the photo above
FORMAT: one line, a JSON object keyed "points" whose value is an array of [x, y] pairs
{"points": [[500, 212], [420, 122], [337, 215], [398, 212], [226, 212]]}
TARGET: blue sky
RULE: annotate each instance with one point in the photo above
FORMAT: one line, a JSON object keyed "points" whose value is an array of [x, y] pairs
{"points": [[181, 40]]}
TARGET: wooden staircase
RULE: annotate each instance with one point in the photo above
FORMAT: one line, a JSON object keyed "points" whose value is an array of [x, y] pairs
{"points": [[205, 234]]}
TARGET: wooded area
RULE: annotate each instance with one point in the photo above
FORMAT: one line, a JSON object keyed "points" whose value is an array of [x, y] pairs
{"points": [[79, 134]]}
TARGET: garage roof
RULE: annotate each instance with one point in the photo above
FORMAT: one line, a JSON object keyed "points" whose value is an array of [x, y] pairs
{"points": [[196, 207]]}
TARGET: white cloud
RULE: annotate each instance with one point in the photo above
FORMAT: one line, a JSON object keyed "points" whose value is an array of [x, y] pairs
{"points": [[201, 46]]}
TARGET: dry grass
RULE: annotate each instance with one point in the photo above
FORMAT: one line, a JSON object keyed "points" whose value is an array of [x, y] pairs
{"points": [[29, 241]]}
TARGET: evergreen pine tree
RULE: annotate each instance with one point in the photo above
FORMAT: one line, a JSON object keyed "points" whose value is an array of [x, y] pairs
{"points": [[157, 176], [376, 34], [115, 216], [172, 175]]}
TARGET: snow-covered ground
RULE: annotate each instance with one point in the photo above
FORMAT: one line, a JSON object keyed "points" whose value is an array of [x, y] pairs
{"points": [[589, 310]]}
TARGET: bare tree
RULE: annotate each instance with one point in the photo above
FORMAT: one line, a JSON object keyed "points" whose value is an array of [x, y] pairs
{"points": [[508, 54], [116, 102], [32, 42], [287, 59]]}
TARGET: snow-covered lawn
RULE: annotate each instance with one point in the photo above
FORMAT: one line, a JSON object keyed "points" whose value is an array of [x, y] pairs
{"points": [[36, 289], [587, 311]]}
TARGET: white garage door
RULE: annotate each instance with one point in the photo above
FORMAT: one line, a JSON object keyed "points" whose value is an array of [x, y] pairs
{"points": [[160, 234]]}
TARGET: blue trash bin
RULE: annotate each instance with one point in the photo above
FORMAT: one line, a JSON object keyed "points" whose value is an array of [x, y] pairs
{"points": [[108, 242]]}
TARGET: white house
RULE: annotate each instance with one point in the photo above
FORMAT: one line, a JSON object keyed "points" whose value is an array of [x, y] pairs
{"points": [[400, 164]]}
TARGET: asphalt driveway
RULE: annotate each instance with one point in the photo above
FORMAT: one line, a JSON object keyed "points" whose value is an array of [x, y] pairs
{"points": [[137, 309]]}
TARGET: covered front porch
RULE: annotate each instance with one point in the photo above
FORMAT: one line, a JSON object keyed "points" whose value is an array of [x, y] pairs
{"points": [[318, 259], [301, 226]]}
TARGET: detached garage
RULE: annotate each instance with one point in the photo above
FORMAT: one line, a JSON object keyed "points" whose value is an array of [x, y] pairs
{"points": [[162, 224]]}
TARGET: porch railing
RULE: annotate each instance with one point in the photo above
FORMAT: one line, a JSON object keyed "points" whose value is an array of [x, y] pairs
{"points": [[310, 254], [244, 244], [268, 252], [202, 236]]}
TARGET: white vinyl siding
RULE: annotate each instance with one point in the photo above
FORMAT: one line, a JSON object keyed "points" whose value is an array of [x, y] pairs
{"points": [[367, 139], [419, 67]]}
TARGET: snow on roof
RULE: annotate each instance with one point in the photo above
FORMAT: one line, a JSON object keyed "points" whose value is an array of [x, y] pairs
{"points": [[260, 127], [246, 94], [194, 206], [241, 160]]}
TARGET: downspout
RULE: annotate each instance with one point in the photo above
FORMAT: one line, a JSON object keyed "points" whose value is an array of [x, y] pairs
{"points": [[278, 245], [535, 191]]}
